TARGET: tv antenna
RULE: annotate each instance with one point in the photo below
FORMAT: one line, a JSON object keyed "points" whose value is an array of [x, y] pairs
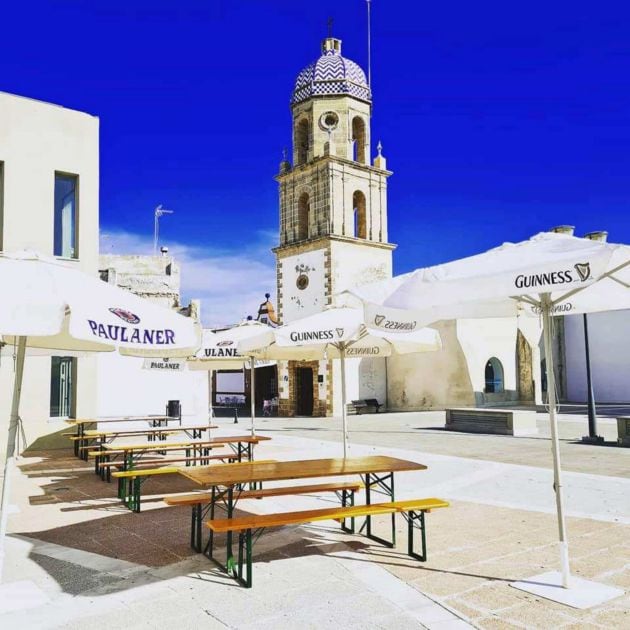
{"points": [[369, 42], [159, 211]]}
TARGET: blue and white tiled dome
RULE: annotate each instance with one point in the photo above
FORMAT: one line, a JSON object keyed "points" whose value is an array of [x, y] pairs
{"points": [[331, 75]]}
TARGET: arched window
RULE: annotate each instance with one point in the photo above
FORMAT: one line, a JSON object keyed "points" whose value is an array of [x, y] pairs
{"points": [[360, 219], [494, 376], [304, 207], [301, 141], [359, 140]]}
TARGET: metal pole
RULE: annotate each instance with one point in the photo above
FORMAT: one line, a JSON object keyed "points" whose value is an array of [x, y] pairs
{"points": [[252, 391], [343, 401], [9, 461], [555, 444], [592, 413], [369, 42]]}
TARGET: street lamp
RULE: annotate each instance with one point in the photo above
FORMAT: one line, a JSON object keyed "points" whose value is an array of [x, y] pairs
{"points": [[159, 211]]}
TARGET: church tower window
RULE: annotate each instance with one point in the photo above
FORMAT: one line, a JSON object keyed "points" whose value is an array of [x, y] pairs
{"points": [[301, 141], [359, 140], [360, 218], [304, 208]]}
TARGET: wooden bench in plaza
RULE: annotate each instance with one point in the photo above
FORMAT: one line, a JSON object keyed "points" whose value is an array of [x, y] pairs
{"points": [[130, 481], [202, 502], [249, 527], [200, 458], [515, 422], [363, 406]]}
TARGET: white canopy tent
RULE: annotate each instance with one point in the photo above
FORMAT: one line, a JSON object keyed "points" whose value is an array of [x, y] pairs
{"points": [[50, 307], [219, 351], [550, 274], [336, 333]]}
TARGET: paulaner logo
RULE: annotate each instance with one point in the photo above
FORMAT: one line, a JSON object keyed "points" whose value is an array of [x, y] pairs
{"points": [[554, 277], [127, 316], [143, 336], [382, 322], [313, 335], [227, 342], [221, 352]]}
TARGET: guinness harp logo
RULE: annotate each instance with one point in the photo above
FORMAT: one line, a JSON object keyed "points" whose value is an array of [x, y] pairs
{"points": [[339, 332], [379, 319], [584, 271]]}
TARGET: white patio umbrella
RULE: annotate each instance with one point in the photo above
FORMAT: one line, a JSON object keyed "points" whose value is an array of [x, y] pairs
{"points": [[550, 274], [51, 307], [219, 351], [336, 333]]}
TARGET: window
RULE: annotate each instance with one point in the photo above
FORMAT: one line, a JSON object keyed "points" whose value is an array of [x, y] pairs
{"points": [[1, 204], [62, 379], [360, 219], [359, 140], [66, 216], [304, 208], [494, 376], [301, 142]]}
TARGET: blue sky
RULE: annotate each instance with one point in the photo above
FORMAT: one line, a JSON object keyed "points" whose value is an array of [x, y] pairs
{"points": [[498, 120]]}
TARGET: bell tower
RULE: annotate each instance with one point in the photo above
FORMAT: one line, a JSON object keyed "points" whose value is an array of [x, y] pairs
{"points": [[333, 211]]}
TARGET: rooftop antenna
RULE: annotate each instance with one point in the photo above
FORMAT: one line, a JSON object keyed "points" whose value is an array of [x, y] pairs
{"points": [[369, 42], [159, 211], [330, 26]]}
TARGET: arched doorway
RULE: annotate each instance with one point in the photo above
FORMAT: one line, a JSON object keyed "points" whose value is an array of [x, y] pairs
{"points": [[494, 376]]}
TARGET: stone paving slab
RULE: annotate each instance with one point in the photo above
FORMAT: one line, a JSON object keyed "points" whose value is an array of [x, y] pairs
{"points": [[89, 556]]}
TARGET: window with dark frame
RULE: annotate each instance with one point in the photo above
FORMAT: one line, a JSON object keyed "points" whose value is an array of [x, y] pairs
{"points": [[66, 216]]}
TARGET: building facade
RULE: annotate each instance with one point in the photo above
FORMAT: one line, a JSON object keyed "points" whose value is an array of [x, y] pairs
{"points": [[333, 235], [135, 386], [49, 185]]}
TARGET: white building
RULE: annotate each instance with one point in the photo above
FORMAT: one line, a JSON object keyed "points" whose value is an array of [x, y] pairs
{"points": [[126, 384], [49, 178], [609, 345]]}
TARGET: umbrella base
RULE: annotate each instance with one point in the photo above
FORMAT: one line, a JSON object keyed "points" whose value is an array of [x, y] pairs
{"points": [[580, 594]]}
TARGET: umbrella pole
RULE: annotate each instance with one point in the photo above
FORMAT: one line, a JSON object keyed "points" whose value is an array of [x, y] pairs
{"points": [[343, 401], [555, 445], [252, 391], [10, 452]]}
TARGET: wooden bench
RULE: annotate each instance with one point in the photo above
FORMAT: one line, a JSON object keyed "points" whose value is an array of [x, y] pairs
{"points": [[363, 406], [200, 502], [106, 467], [412, 510], [483, 420], [130, 482]]}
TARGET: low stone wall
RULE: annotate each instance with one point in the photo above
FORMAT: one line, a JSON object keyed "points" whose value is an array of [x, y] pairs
{"points": [[501, 421], [623, 430]]}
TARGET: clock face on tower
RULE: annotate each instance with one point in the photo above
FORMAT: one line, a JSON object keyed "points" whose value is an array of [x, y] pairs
{"points": [[304, 285]]}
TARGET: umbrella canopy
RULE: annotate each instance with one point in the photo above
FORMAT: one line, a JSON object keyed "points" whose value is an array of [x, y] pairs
{"points": [[49, 306], [577, 276], [219, 351], [336, 333], [550, 274], [60, 308]]}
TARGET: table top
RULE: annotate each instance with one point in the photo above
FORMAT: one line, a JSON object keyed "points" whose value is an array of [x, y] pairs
{"points": [[217, 441], [148, 418], [301, 469], [148, 431]]}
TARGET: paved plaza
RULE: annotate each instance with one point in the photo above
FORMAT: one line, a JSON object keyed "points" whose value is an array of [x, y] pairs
{"points": [[76, 557]]}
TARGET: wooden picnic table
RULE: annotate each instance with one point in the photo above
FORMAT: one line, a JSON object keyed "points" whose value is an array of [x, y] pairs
{"points": [[103, 435], [80, 423], [243, 446], [376, 471]]}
